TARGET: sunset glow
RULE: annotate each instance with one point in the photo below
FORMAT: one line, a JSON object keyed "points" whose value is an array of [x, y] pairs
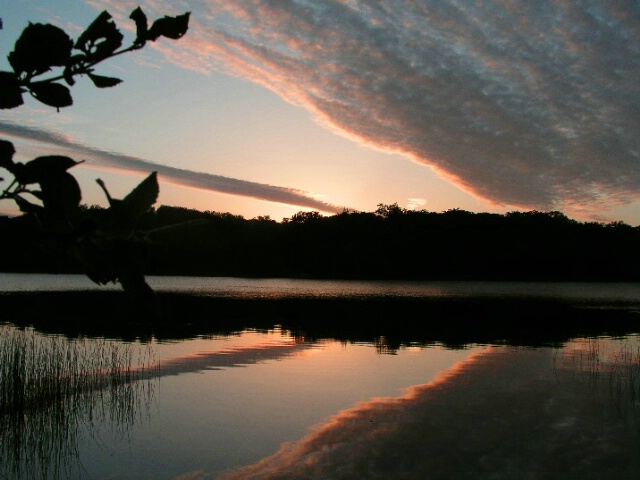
{"points": [[270, 108]]}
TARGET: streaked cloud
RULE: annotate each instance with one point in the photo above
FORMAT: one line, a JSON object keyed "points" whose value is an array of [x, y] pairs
{"points": [[177, 176], [528, 104]]}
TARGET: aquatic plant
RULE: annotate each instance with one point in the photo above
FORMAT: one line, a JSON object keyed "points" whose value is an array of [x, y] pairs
{"points": [[624, 379], [52, 387], [615, 365]]}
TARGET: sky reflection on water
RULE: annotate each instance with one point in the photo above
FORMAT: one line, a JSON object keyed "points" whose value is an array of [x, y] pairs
{"points": [[247, 412], [500, 413], [223, 402], [267, 405]]}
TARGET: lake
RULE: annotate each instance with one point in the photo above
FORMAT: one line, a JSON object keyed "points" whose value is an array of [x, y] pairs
{"points": [[321, 379]]}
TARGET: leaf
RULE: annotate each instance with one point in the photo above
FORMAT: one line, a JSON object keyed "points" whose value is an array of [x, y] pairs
{"points": [[100, 39], [103, 82], [6, 155], [68, 76], [97, 261], [142, 27], [74, 64], [40, 168], [54, 162], [27, 207], [135, 285], [60, 192], [37, 194], [131, 255], [10, 91], [170, 27], [52, 94], [40, 47], [142, 198]]}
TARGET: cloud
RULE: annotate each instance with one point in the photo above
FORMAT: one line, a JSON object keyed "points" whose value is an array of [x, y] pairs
{"points": [[529, 104], [416, 203], [177, 176]]}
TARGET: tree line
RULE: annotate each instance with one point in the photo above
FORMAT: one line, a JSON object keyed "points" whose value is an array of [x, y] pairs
{"points": [[389, 243]]}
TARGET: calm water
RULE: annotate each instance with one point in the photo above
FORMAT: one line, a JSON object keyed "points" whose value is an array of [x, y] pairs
{"points": [[266, 404], [249, 287]]}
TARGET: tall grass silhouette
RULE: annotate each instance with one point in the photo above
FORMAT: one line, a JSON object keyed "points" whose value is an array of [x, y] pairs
{"points": [[624, 379], [54, 390], [614, 370]]}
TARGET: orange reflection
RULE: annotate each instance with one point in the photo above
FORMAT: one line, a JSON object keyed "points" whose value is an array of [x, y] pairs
{"points": [[335, 443], [500, 411]]}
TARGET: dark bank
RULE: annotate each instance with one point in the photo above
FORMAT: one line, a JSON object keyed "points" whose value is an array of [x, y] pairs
{"points": [[397, 320], [390, 243]]}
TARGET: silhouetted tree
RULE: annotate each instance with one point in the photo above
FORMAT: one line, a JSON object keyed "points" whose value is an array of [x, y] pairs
{"points": [[387, 211], [455, 244]]}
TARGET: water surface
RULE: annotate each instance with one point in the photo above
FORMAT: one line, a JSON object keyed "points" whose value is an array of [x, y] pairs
{"points": [[283, 287], [275, 402]]}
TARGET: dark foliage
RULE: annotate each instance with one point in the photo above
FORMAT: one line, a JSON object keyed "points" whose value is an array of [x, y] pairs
{"points": [[41, 48], [399, 244], [108, 245], [390, 243]]}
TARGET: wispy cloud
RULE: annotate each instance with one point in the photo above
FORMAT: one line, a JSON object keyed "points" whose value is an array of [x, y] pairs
{"points": [[531, 104], [188, 178]]}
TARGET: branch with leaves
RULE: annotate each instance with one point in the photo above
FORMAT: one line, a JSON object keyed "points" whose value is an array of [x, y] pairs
{"points": [[108, 244], [43, 47]]}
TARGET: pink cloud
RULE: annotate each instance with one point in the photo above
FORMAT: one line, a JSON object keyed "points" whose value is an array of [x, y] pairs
{"points": [[522, 104]]}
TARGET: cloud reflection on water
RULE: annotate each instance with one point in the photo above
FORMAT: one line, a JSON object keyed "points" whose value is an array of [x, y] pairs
{"points": [[233, 357], [506, 412]]}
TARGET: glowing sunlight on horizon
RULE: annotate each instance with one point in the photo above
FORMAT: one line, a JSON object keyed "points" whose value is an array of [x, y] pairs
{"points": [[273, 108]]}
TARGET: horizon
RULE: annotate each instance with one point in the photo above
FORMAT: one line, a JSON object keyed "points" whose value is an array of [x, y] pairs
{"points": [[270, 110], [11, 213]]}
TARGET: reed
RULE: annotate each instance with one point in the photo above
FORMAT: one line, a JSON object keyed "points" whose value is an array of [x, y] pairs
{"points": [[613, 364], [54, 388], [590, 361], [624, 379]]}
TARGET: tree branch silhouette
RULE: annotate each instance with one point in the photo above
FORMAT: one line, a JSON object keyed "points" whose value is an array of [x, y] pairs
{"points": [[109, 245]]}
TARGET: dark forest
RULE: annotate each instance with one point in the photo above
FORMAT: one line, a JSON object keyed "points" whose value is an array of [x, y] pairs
{"points": [[390, 243]]}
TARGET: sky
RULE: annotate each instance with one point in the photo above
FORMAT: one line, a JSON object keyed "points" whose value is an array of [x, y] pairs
{"points": [[274, 107]]}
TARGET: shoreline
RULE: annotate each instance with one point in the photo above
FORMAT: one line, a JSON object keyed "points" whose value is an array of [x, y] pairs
{"points": [[400, 320]]}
